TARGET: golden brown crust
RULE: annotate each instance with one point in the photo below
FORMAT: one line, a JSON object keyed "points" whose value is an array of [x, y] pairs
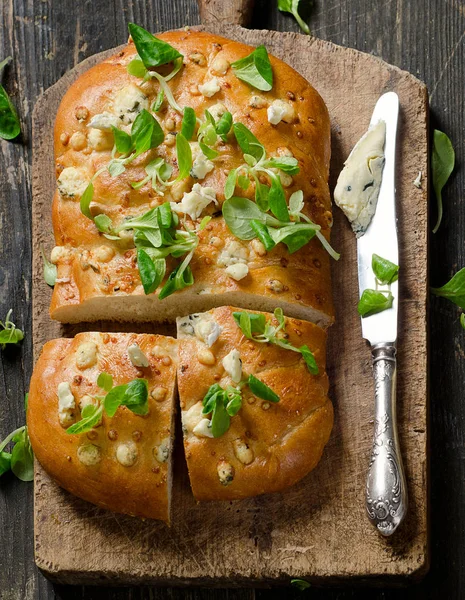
{"points": [[141, 489], [304, 275], [269, 446]]}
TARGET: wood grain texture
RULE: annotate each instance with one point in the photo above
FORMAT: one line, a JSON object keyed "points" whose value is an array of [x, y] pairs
{"points": [[318, 528], [232, 12], [48, 38]]}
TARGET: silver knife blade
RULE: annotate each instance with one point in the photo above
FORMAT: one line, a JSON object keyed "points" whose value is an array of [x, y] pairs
{"points": [[381, 235]]}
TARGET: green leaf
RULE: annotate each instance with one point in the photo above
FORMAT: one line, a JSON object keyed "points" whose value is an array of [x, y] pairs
{"points": [[114, 399], [294, 236], [151, 271], [233, 401], [442, 165], [209, 152], [137, 68], [9, 120], [189, 121], [184, 156], [453, 290], [292, 6], [209, 399], [123, 141], [136, 396], [105, 381], [279, 316], [204, 222], [230, 184], [374, 301], [385, 271], [255, 69], [238, 213], [288, 164], [22, 458], [223, 127], [262, 193], [300, 584], [5, 462], [151, 50], [146, 132], [50, 270], [177, 280], [309, 359], [104, 224], [10, 334], [158, 101], [261, 390], [86, 199], [221, 420], [277, 198], [462, 320], [296, 202], [250, 323], [263, 234], [91, 416], [248, 143], [116, 167]]}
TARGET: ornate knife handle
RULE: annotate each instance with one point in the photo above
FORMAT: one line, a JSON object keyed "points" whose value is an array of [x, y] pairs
{"points": [[386, 490]]}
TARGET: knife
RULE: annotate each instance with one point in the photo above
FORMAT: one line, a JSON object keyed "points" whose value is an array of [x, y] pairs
{"points": [[386, 491]]}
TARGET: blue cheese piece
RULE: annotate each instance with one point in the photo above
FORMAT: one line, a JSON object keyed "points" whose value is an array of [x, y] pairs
{"points": [[358, 184], [194, 202]]}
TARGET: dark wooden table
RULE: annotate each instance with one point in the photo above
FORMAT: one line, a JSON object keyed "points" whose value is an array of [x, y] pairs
{"points": [[425, 37]]}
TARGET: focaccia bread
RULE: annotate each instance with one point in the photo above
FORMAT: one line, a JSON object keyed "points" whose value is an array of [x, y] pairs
{"points": [[269, 446], [98, 278], [124, 462]]}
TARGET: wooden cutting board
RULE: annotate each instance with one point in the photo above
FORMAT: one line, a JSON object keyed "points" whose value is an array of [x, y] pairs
{"points": [[317, 530]]}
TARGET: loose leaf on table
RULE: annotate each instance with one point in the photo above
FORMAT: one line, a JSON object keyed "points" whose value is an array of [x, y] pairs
{"points": [[5, 462], [152, 51], [255, 69], [385, 271], [442, 165], [9, 120], [374, 301], [292, 6], [453, 290], [300, 584], [22, 457], [9, 333], [261, 390], [50, 270]]}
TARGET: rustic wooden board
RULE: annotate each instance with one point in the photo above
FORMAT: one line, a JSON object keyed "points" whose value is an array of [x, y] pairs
{"points": [[317, 530]]}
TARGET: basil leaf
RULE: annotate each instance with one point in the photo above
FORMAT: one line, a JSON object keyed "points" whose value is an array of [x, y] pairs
{"points": [[146, 132], [136, 396], [151, 50], [123, 141], [257, 323], [238, 213], [86, 199], [374, 301], [230, 184], [292, 6], [255, 69], [223, 127], [184, 156], [244, 323], [158, 101], [22, 458], [262, 192], [91, 416], [309, 359], [9, 120], [294, 236], [300, 584], [263, 234], [248, 143], [442, 165], [209, 399], [453, 290], [288, 164], [177, 280], [151, 271], [137, 68], [261, 390], [189, 121], [5, 462], [221, 421], [114, 399], [50, 270], [385, 271], [105, 381], [277, 199]]}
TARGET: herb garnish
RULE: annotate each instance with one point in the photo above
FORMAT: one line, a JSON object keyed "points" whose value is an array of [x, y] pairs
{"points": [[255, 69], [442, 165], [152, 51], [9, 120], [50, 270], [453, 290], [300, 584], [374, 301], [292, 6], [133, 395], [21, 459], [386, 272], [255, 327], [9, 334], [223, 404]]}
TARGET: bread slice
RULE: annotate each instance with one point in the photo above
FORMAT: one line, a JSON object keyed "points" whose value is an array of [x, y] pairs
{"points": [[98, 278], [123, 464], [268, 446]]}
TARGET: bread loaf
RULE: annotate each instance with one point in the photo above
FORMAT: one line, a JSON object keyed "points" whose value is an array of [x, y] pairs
{"points": [[124, 462], [269, 445], [98, 278]]}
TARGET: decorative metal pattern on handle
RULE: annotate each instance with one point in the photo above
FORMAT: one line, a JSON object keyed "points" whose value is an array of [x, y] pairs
{"points": [[386, 491]]}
